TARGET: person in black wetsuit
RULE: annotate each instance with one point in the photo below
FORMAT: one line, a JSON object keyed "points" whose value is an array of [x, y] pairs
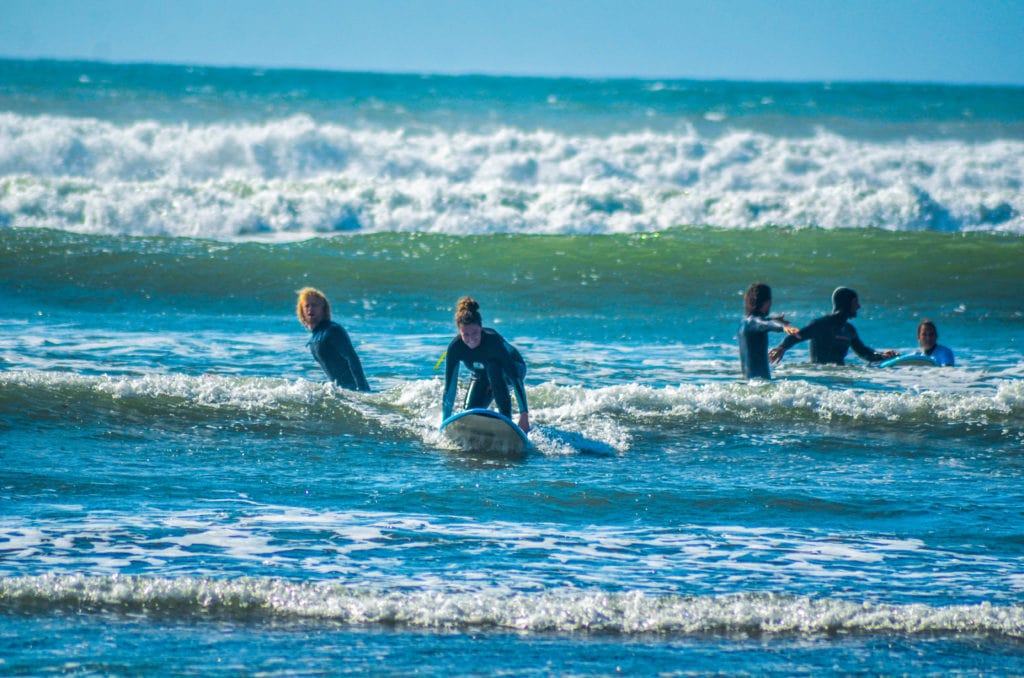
{"points": [[495, 364], [329, 343], [753, 334], [832, 336]]}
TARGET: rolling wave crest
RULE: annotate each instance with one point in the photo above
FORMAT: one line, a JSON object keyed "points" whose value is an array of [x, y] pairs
{"points": [[295, 177]]}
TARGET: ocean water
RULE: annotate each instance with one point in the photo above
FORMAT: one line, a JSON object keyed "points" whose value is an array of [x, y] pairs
{"points": [[181, 494]]}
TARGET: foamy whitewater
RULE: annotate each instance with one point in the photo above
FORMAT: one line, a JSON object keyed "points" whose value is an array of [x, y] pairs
{"points": [[183, 494]]}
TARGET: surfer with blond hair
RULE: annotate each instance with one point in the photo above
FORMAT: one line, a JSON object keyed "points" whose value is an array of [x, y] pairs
{"points": [[329, 342]]}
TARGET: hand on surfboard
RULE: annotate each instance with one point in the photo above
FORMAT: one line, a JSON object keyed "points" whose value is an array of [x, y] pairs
{"points": [[887, 355]]}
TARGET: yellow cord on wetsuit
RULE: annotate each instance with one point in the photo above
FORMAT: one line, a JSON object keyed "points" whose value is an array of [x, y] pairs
{"points": [[440, 360]]}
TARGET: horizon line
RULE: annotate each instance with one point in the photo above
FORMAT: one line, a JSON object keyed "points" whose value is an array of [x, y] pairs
{"points": [[508, 74]]}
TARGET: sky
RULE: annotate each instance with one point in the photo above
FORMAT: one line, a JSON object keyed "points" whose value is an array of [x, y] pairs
{"points": [[942, 41]]}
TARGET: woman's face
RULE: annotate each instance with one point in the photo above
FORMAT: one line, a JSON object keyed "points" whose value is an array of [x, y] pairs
{"points": [[314, 310], [926, 337], [470, 335]]}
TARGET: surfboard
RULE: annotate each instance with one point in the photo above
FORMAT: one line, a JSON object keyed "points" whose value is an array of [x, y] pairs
{"points": [[908, 360], [480, 430]]}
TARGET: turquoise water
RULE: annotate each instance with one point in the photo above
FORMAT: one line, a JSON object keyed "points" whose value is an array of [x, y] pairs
{"points": [[182, 494]]}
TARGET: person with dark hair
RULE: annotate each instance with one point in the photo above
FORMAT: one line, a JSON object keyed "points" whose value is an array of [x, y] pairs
{"points": [[329, 343], [494, 363], [753, 333], [832, 336], [927, 338]]}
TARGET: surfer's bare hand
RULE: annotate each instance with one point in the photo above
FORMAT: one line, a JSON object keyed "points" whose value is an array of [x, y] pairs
{"points": [[775, 355]]}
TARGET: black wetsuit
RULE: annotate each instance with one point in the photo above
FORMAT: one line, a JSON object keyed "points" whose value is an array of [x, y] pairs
{"points": [[495, 365], [832, 336], [753, 338], [332, 348]]}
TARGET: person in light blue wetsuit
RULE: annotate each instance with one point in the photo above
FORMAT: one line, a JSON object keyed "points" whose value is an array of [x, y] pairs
{"points": [[495, 364], [329, 342], [832, 336], [753, 334], [927, 336]]}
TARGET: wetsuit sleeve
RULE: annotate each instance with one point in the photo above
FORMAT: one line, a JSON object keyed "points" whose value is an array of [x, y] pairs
{"points": [[791, 340], [355, 378], [516, 375], [809, 332], [520, 389], [756, 324], [451, 381], [863, 350]]}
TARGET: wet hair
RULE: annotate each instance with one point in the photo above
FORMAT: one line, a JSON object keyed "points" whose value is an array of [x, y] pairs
{"points": [[308, 294], [756, 295], [842, 299], [467, 312], [927, 323]]}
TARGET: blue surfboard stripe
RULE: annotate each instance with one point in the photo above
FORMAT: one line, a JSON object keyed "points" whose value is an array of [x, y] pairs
{"points": [[912, 359]]}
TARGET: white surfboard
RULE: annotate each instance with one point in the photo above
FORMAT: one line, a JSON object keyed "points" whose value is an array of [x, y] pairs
{"points": [[480, 430]]}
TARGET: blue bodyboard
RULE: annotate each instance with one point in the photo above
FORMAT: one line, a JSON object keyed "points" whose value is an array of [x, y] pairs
{"points": [[908, 360]]}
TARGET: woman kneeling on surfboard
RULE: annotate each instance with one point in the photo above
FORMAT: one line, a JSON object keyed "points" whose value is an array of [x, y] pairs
{"points": [[495, 364]]}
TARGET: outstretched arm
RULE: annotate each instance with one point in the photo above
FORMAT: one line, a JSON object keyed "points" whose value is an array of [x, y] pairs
{"points": [[514, 368], [524, 410], [451, 385], [791, 339], [777, 324], [869, 354]]}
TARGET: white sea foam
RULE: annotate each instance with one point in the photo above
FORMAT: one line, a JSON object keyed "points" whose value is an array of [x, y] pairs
{"points": [[790, 399], [567, 610], [567, 417], [296, 178], [510, 556]]}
